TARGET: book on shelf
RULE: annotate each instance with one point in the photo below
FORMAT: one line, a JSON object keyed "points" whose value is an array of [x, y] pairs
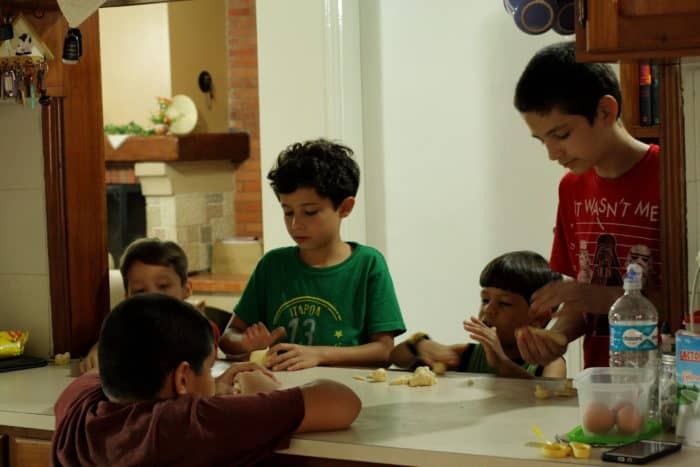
{"points": [[645, 94], [654, 94]]}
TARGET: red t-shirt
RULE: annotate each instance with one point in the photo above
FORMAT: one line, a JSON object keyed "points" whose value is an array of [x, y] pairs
{"points": [[603, 224], [186, 431]]}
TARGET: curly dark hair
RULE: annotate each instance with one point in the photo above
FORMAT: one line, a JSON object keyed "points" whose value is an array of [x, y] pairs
{"points": [[553, 78], [520, 272], [327, 167]]}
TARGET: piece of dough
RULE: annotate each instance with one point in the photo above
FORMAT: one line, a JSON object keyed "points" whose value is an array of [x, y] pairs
{"points": [[62, 358], [377, 376], [557, 337], [542, 393], [439, 368], [399, 381], [259, 356], [423, 376]]}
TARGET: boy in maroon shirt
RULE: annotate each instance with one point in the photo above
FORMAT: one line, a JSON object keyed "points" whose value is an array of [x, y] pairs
{"points": [[155, 401]]}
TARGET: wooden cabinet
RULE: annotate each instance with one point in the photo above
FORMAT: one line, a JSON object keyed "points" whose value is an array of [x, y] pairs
{"points": [[629, 83], [669, 135], [29, 452], [627, 29], [23, 447]]}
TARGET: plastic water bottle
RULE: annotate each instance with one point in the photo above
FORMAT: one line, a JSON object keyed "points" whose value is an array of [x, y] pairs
{"points": [[633, 325], [634, 329]]}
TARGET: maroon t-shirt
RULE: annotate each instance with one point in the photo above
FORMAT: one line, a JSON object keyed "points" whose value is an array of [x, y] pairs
{"points": [[187, 431]]}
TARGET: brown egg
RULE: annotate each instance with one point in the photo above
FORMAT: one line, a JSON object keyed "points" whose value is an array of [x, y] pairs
{"points": [[628, 419], [598, 418]]}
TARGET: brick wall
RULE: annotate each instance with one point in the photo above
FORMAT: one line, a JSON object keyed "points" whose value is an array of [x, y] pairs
{"points": [[120, 172], [244, 114]]}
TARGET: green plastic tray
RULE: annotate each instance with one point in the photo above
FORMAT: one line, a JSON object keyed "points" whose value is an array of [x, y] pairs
{"points": [[651, 428]]}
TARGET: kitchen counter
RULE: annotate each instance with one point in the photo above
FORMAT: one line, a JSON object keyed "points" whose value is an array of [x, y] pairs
{"points": [[465, 418]]}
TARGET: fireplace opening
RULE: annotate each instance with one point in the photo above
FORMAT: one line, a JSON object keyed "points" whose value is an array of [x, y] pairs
{"points": [[126, 217]]}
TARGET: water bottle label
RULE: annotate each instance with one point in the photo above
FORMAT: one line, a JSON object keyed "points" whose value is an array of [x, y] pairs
{"points": [[633, 337]]}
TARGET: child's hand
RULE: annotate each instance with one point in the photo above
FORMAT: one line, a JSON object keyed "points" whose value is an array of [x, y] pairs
{"points": [[225, 382], [488, 338], [90, 362], [254, 382], [430, 352], [257, 337], [294, 357]]}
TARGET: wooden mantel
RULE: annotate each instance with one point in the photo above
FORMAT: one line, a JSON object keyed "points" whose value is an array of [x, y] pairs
{"points": [[195, 147]]}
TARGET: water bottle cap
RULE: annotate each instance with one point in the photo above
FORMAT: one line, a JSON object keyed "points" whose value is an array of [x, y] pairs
{"points": [[633, 279]]}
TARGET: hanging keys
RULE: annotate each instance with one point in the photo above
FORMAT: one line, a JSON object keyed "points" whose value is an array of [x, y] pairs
{"points": [[8, 83]]}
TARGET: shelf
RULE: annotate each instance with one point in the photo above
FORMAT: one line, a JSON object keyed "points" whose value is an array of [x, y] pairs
{"points": [[644, 132], [218, 283], [233, 147]]}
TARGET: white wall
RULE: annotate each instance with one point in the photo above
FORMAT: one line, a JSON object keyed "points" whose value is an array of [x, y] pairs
{"points": [[452, 176], [309, 84], [463, 181], [25, 302]]}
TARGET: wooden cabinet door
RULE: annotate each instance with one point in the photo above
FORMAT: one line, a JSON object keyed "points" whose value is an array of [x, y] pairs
{"points": [[638, 28], [28, 452]]}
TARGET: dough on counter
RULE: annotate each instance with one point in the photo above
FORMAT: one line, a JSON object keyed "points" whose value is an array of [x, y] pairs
{"points": [[400, 381], [439, 368], [62, 358], [542, 392], [377, 376], [423, 376]]}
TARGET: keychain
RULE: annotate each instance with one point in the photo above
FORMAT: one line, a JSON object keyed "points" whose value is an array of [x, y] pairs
{"points": [[8, 83]]}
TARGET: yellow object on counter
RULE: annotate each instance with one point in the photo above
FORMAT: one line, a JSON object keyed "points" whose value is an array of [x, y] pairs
{"points": [[556, 450], [12, 343], [581, 450]]}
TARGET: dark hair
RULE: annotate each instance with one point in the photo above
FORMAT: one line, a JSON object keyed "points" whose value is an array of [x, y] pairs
{"points": [[144, 339], [154, 252], [553, 78], [520, 272], [322, 165]]}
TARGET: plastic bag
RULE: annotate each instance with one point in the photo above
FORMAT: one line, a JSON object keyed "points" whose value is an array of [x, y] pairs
{"points": [[12, 343]]}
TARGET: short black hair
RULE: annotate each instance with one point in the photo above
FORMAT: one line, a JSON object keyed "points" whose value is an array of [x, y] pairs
{"points": [[144, 339], [155, 252], [553, 79], [520, 272], [327, 167]]}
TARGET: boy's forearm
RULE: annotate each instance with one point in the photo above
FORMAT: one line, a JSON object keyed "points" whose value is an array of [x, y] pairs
{"points": [[509, 369], [370, 354], [231, 342], [402, 356]]}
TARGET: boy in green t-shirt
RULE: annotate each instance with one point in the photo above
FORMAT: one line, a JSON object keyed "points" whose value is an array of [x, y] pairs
{"points": [[330, 302]]}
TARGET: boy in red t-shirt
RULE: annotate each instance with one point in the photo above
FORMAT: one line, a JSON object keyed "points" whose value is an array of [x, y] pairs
{"points": [[155, 401], [608, 214]]}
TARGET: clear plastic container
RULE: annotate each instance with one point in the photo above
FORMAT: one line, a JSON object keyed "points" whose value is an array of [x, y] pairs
{"points": [[614, 401]]}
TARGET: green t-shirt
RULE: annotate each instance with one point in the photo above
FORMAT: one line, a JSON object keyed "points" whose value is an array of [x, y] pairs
{"points": [[341, 305], [473, 360]]}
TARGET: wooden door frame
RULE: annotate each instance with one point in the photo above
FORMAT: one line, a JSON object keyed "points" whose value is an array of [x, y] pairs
{"points": [[74, 171]]}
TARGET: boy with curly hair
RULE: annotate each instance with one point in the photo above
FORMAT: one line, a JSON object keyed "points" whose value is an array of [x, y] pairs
{"points": [[331, 302]]}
